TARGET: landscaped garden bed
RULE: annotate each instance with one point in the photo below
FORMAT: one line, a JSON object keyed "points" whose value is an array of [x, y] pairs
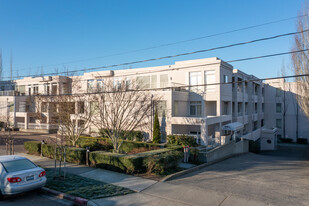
{"points": [[150, 158], [83, 187]]}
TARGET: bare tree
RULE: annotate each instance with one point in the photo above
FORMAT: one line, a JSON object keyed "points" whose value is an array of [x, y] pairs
{"points": [[122, 107], [301, 60]]}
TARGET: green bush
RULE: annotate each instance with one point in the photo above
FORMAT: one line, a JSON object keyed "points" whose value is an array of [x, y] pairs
{"points": [[182, 140], [133, 135], [302, 140], [156, 129], [73, 154], [106, 145], [33, 147], [120, 162], [161, 163]]}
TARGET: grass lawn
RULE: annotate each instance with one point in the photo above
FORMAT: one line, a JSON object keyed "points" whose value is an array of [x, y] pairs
{"points": [[83, 187]]}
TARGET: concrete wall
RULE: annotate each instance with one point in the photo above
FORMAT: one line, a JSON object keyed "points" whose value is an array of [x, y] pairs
{"points": [[225, 151]]}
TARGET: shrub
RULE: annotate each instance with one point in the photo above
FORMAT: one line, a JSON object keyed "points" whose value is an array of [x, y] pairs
{"points": [[156, 129], [33, 147], [161, 163], [133, 163], [73, 154], [286, 140], [302, 140], [183, 140], [106, 145], [133, 135]]}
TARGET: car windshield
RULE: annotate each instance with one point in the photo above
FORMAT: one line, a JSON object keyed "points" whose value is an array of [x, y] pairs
{"points": [[18, 165]]}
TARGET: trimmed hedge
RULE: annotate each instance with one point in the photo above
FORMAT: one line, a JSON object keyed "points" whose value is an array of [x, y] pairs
{"points": [[121, 162], [33, 147], [132, 136], [134, 163], [183, 140], [106, 144], [73, 154]]}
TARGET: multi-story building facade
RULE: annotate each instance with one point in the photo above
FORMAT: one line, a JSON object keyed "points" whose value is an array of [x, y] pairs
{"points": [[197, 97], [282, 110]]}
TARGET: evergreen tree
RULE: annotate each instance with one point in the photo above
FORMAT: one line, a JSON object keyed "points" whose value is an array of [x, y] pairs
{"points": [[156, 129]]}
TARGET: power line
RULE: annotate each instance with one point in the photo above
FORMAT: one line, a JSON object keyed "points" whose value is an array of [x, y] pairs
{"points": [[177, 55], [174, 43], [200, 65]]}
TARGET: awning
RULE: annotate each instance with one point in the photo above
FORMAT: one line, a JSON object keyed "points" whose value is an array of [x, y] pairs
{"points": [[235, 126]]}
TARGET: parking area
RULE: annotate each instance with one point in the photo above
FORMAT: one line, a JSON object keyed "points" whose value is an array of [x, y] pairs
{"points": [[277, 178]]}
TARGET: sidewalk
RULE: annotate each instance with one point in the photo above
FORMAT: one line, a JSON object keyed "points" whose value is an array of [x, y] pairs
{"points": [[136, 184]]}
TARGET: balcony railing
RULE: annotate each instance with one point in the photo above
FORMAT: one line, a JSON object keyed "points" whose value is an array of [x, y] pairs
{"points": [[7, 93]]}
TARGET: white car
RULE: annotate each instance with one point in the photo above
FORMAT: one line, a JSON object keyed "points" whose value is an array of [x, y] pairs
{"points": [[19, 174]]}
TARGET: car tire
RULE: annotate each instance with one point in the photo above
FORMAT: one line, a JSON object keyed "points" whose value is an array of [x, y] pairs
{"points": [[1, 196]]}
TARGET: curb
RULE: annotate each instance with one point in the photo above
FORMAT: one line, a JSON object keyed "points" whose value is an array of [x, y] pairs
{"points": [[76, 200], [193, 169]]}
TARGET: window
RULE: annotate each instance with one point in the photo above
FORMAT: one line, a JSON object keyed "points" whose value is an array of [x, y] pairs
{"points": [[225, 79], [46, 89], [263, 107], [255, 125], [117, 83], [195, 79], [225, 108], [80, 107], [163, 80], [279, 123], [262, 122], [18, 165], [278, 108], [240, 109], [278, 92], [94, 107], [128, 84], [195, 108], [90, 85], [54, 88], [35, 89], [44, 107], [100, 85], [21, 89], [176, 108], [153, 84], [210, 79], [255, 107], [143, 82], [161, 108]]}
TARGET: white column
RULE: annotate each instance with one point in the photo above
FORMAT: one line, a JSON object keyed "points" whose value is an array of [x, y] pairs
{"points": [[204, 133]]}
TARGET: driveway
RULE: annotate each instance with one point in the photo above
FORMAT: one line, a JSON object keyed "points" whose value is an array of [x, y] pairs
{"points": [[270, 178]]}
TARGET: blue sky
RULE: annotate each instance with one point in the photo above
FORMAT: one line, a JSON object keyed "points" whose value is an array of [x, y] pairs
{"points": [[43, 36]]}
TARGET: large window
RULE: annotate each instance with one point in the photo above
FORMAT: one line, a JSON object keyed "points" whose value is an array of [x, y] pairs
{"points": [[90, 85], [195, 79], [278, 92], [161, 108], [195, 108], [100, 85], [279, 123], [210, 78], [153, 84], [163, 80], [278, 108], [143, 82]]}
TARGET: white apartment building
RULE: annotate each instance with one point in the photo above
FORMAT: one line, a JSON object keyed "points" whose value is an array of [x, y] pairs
{"points": [[198, 98], [282, 110]]}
